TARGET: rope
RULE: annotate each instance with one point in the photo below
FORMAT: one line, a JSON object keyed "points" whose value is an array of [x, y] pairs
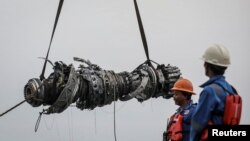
{"points": [[143, 36], [51, 125], [117, 109], [12, 108], [114, 116], [70, 125], [95, 122], [54, 28], [38, 120]]}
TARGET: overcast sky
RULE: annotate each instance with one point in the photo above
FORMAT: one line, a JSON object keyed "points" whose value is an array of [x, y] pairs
{"points": [[106, 32]]}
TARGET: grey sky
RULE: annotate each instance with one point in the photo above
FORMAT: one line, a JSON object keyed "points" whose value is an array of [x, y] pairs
{"points": [[106, 32]]}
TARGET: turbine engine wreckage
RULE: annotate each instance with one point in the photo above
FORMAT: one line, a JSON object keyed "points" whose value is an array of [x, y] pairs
{"points": [[90, 86]]}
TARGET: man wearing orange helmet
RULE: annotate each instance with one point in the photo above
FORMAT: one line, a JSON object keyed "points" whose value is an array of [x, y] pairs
{"points": [[178, 127], [213, 100]]}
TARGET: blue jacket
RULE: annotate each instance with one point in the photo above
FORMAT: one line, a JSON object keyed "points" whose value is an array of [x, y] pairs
{"points": [[187, 113], [210, 106]]}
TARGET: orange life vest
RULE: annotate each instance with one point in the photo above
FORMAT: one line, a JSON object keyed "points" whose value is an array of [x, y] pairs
{"points": [[204, 135], [174, 128], [232, 112]]}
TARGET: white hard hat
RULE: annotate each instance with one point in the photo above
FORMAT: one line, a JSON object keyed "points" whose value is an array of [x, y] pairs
{"points": [[217, 55]]}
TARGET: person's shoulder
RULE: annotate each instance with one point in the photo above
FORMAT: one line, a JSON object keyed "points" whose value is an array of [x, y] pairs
{"points": [[192, 108], [194, 105], [208, 88]]}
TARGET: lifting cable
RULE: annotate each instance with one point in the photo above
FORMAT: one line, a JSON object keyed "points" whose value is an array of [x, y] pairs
{"points": [[143, 36], [54, 28], [144, 40], [12, 108], [114, 115], [46, 59]]}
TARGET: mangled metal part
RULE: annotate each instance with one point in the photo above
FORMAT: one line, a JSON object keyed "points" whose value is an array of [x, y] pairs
{"points": [[90, 86], [67, 95]]}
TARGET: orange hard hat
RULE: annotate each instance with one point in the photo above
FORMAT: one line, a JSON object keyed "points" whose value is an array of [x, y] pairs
{"points": [[183, 85]]}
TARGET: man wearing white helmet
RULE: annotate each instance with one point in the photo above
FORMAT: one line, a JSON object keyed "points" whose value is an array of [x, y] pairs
{"points": [[211, 104]]}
